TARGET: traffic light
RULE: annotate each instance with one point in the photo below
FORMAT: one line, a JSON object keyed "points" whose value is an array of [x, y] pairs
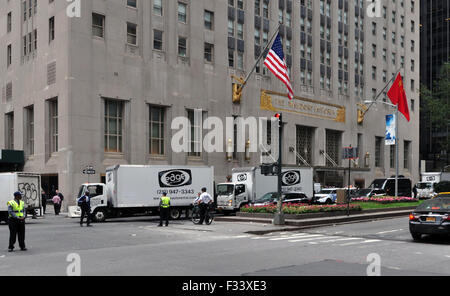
{"points": [[237, 93]]}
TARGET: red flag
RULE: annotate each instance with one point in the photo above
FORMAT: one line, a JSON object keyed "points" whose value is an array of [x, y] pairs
{"points": [[397, 96]]}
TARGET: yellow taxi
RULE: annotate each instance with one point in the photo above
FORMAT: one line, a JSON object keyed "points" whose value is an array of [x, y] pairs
{"points": [[441, 194]]}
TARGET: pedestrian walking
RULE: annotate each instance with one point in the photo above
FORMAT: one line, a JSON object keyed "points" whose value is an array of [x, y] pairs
{"points": [[16, 222], [164, 209], [415, 191], [56, 204], [84, 202], [204, 201], [61, 196], [44, 201]]}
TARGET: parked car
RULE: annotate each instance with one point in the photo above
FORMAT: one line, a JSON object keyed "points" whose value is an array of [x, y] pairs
{"points": [[326, 196], [271, 198], [388, 185], [431, 217], [370, 192]]}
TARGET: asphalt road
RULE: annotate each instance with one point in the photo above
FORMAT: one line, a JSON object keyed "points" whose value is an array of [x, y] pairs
{"points": [[136, 246]]}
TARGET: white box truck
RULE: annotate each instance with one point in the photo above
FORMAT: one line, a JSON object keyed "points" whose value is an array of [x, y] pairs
{"points": [[248, 184], [425, 188], [28, 184], [135, 189]]}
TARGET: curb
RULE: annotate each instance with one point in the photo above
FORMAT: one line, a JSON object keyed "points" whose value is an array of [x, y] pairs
{"points": [[297, 224]]}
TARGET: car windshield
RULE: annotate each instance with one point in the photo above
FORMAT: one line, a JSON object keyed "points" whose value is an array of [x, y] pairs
{"points": [[327, 191], [81, 192], [267, 197], [364, 192], [377, 183], [441, 204], [424, 185], [225, 189]]}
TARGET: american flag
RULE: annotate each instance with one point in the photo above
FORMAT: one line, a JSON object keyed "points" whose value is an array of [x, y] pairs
{"points": [[276, 63]]}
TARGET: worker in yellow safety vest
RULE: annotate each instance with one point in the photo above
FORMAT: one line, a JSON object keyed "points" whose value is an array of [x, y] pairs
{"points": [[164, 206], [16, 221]]}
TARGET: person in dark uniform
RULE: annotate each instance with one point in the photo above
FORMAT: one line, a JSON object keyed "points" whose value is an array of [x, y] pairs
{"points": [[16, 222], [164, 209], [44, 201], [84, 202]]}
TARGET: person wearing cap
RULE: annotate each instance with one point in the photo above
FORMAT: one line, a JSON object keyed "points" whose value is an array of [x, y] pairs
{"points": [[16, 222]]}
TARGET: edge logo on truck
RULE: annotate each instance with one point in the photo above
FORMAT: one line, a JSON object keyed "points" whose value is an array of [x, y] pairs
{"points": [[175, 178], [241, 177], [290, 178]]}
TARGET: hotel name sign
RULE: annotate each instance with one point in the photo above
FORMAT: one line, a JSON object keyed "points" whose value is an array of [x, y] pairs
{"points": [[273, 101]]}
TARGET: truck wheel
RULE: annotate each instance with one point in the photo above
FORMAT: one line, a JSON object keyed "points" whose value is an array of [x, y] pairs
{"points": [[175, 214], [99, 215]]}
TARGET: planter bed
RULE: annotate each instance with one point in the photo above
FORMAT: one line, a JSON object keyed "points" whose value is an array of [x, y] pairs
{"points": [[323, 214]]}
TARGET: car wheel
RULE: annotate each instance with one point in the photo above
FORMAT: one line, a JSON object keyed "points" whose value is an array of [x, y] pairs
{"points": [[329, 202], [416, 236]]}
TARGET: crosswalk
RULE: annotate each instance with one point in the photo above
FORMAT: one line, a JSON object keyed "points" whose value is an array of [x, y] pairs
{"points": [[317, 238]]}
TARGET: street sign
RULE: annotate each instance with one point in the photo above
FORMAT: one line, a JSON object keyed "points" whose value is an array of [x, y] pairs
{"points": [[350, 153], [89, 172]]}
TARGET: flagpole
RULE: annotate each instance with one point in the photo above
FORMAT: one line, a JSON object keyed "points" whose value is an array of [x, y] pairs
{"points": [[262, 53], [379, 94], [396, 151]]}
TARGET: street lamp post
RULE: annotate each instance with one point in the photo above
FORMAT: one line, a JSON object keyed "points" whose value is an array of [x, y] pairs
{"points": [[396, 141]]}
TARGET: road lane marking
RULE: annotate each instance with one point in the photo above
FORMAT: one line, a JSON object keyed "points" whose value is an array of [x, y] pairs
{"points": [[364, 242], [389, 231], [303, 235], [342, 239], [308, 239]]}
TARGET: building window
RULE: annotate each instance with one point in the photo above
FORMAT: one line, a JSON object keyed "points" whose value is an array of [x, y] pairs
{"points": [[378, 152], [406, 153], [230, 58], [98, 25], [132, 3], [304, 144], [157, 7], [333, 144], [9, 23], [9, 122], [35, 39], [182, 12], [195, 133], [29, 115], [25, 45], [9, 55], [24, 10], [113, 126], [182, 47], [392, 156], [209, 52], [51, 29], [132, 34], [53, 114], [156, 125], [240, 60], [157, 39], [209, 20]]}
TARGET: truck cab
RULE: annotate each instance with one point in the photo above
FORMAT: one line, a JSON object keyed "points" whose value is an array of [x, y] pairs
{"points": [[231, 196], [425, 190], [98, 198]]}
